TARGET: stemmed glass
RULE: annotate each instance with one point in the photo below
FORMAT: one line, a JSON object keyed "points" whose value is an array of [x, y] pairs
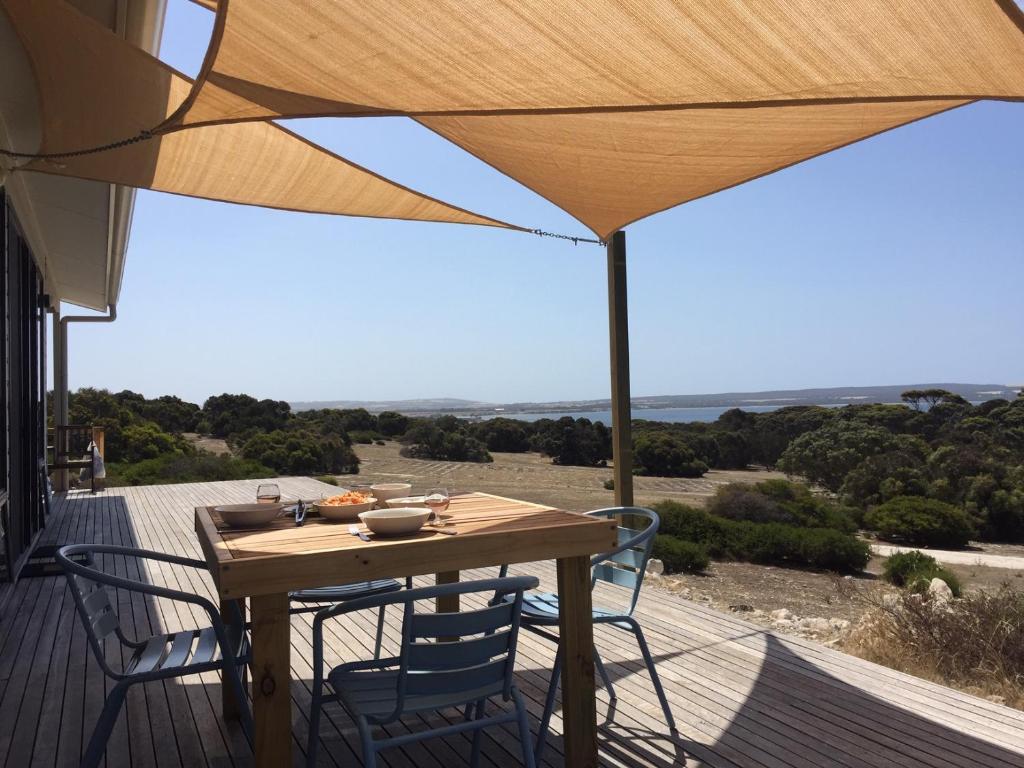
{"points": [[268, 493], [437, 500]]}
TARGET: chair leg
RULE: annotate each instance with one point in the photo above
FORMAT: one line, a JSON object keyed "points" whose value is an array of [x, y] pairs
{"points": [[524, 728], [313, 740], [380, 633], [366, 739], [233, 673], [549, 705], [649, 662], [604, 675], [474, 757], [108, 717]]}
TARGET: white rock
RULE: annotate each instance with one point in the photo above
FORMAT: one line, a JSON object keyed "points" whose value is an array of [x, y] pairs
{"points": [[815, 624], [838, 625], [890, 600], [782, 623], [781, 614], [939, 591], [655, 566]]}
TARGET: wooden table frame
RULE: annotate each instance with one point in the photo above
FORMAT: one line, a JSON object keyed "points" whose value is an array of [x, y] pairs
{"points": [[265, 564]]}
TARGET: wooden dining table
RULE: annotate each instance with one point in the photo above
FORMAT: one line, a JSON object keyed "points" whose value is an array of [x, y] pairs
{"points": [[265, 564]]}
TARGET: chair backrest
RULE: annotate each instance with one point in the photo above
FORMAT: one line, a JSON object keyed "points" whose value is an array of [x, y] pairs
{"points": [[457, 655], [625, 565], [89, 588]]}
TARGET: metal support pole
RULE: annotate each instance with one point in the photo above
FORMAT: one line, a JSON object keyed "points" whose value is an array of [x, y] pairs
{"points": [[618, 328], [60, 390]]}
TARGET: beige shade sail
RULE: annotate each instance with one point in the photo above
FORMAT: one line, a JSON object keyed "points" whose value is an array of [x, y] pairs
{"points": [[609, 169], [418, 57], [612, 109], [95, 88]]}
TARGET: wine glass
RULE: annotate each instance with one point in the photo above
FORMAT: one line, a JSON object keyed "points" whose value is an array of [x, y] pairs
{"points": [[268, 493], [437, 500]]}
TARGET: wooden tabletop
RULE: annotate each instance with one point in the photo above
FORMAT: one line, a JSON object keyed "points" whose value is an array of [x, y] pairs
{"points": [[491, 530]]}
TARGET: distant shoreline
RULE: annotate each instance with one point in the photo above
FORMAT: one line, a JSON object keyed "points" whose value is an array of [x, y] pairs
{"points": [[748, 401]]}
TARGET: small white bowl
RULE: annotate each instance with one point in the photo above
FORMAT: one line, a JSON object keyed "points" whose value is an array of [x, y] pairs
{"points": [[248, 515], [409, 502], [384, 491], [347, 512], [394, 522]]}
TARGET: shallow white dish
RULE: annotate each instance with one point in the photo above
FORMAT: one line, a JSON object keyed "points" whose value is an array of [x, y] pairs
{"points": [[410, 502], [248, 515], [394, 522], [344, 511], [384, 491]]}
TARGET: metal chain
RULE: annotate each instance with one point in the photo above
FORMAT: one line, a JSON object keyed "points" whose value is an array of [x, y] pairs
{"points": [[575, 240], [142, 136]]}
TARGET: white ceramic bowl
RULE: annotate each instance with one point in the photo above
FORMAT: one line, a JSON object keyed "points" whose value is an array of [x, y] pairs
{"points": [[410, 502], [384, 491], [349, 512], [394, 522], [248, 515]]}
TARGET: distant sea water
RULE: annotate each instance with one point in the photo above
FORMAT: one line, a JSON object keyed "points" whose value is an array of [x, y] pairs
{"points": [[650, 414]]}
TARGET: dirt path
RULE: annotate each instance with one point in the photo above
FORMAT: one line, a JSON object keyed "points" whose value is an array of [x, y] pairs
{"points": [[957, 558]]}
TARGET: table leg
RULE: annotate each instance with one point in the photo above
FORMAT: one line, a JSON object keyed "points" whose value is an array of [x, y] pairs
{"points": [[230, 706], [271, 680], [448, 603], [575, 621]]}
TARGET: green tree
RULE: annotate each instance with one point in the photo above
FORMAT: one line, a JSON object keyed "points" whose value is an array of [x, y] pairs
{"points": [[828, 454], [664, 455]]}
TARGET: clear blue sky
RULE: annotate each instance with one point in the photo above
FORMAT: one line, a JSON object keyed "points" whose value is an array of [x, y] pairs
{"points": [[897, 260]]}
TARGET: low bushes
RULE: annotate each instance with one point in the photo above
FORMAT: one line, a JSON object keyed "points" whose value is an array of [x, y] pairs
{"points": [[680, 556], [780, 501], [976, 642], [917, 520], [177, 468], [915, 571], [767, 543]]}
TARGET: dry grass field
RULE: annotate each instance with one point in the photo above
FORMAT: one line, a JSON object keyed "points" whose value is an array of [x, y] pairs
{"points": [[534, 478]]}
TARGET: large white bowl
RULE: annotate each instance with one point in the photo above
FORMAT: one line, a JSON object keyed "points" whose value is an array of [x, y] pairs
{"points": [[408, 502], [349, 512], [384, 491], [394, 522], [248, 515]]}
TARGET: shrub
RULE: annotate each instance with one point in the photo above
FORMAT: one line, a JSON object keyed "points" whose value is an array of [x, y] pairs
{"points": [[609, 484], [664, 455], [915, 571], [768, 543], [976, 642], [329, 479], [680, 556], [918, 520], [177, 468], [780, 501], [363, 437]]}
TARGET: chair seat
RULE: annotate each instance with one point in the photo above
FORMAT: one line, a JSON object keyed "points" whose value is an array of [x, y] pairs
{"points": [[542, 608], [178, 651], [345, 592], [374, 693]]}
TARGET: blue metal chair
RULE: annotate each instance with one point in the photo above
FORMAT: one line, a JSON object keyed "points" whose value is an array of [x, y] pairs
{"points": [[311, 600], [158, 657], [624, 566], [430, 673]]}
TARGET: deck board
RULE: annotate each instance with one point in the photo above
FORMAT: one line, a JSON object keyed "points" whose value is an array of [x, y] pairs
{"points": [[742, 697]]}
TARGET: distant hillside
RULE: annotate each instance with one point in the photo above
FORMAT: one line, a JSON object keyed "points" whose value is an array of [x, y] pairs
{"points": [[820, 396]]}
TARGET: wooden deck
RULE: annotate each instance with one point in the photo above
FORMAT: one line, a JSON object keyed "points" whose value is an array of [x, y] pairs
{"points": [[741, 695]]}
